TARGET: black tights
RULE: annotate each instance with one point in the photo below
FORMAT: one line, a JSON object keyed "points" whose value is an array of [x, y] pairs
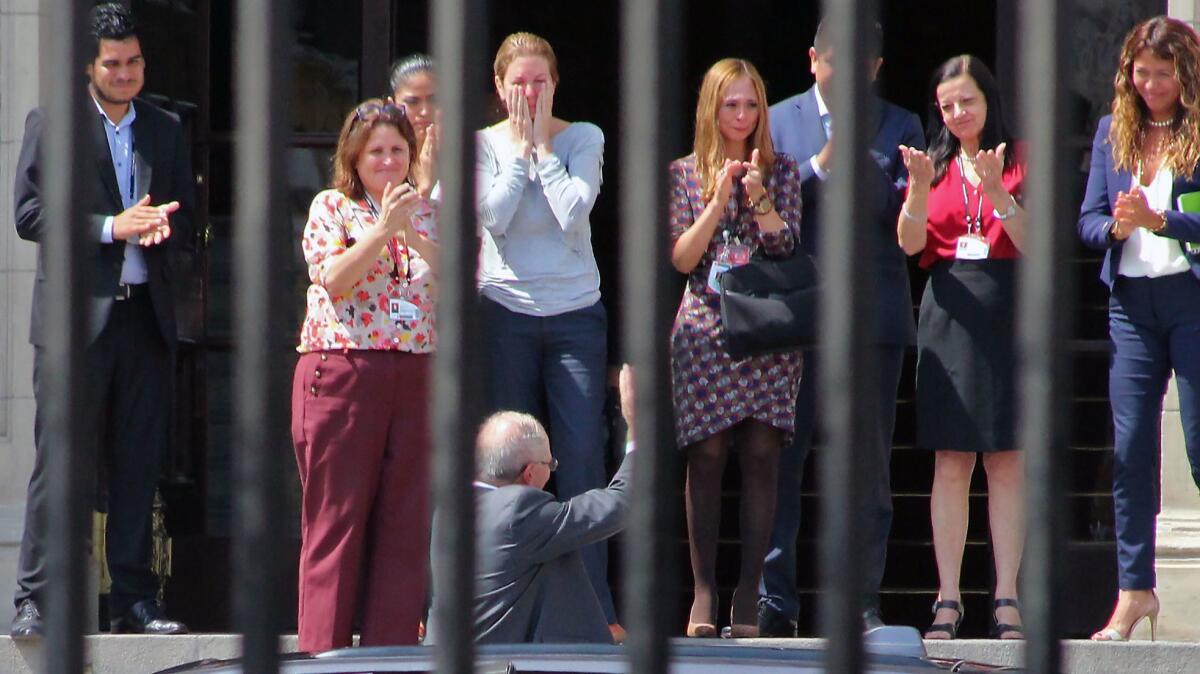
{"points": [[758, 457]]}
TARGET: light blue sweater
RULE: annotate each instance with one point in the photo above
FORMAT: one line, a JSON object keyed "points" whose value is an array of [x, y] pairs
{"points": [[537, 255]]}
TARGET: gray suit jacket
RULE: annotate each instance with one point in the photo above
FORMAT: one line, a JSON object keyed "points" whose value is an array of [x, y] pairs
{"points": [[531, 585]]}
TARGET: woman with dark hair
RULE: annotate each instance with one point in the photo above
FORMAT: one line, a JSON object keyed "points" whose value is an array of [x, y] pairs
{"points": [[360, 392], [962, 214], [733, 197], [414, 88], [1144, 167]]}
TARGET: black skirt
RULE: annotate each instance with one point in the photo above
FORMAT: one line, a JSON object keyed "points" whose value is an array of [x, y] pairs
{"points": [[966, 378]]}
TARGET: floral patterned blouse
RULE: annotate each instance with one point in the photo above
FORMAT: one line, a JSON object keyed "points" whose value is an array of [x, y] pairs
{"points": [[360, 319]]}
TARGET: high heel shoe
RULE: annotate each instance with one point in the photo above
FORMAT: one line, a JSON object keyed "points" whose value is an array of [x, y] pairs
{"points": [[702, 630], [948, 628], [1113, 634], [999, 629], [737, 630]]}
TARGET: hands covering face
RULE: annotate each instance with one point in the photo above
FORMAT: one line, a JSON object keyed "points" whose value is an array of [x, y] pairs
{"points": [[531, 128]]}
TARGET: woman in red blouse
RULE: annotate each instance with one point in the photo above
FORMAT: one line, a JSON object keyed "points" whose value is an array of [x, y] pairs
{"points": [[962, 214], [360, 391]]}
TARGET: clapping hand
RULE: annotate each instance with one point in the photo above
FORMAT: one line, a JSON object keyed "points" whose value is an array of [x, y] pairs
{"points": [[752, 179], [147, 225], [989, 166], [427, 159], [725, 178], [398, 208], [1132, 211], [919, 165], [520, 121]]}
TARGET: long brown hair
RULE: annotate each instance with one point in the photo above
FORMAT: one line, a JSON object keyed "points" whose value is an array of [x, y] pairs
{"points": [[709, 145], [1171, 40], [353, 138]]}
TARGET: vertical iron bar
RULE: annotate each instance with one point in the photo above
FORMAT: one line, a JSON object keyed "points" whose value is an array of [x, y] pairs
{"points": [[72, 462], [262, 239], [846, 399], [1044, 320], [649, 127], [459, 27]]}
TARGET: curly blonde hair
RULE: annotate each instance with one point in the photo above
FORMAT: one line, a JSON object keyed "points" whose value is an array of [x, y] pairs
{"points": [[1171, 40], [709, 145]]}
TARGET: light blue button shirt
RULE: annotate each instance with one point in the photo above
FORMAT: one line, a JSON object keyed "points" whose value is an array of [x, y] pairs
{"points": [[121, 147], [827, 124]]}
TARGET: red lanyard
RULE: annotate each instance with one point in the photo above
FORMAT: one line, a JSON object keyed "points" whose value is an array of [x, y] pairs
{"points": [[394, 251]]}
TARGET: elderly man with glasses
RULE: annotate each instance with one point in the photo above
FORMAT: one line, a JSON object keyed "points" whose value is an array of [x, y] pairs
{"points": [[531, 584]]}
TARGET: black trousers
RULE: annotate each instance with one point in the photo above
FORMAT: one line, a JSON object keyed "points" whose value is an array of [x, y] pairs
{"points": [[129, 375]]}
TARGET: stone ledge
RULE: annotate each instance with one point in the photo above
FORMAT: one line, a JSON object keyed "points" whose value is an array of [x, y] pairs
{"points": [[134, 654]]}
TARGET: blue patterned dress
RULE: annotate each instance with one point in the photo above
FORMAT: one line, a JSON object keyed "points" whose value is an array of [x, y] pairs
{"points": [[712, 392]]}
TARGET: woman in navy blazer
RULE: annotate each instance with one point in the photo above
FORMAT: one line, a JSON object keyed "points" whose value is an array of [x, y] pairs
{"points": [[1144, 158]]}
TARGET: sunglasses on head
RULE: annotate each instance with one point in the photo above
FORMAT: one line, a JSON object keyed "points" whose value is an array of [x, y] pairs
{"points": [[387, 111]]}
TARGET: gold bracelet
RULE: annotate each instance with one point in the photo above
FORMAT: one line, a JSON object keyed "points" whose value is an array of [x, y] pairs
{"points": [[1162, 223]]}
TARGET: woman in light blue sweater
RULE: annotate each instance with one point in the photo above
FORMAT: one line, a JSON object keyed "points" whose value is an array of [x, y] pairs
{"points": [[538, 178]]}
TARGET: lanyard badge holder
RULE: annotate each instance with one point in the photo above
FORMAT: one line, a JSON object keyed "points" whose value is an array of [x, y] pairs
{"points": [[401, 310], [729, 255], [972, 245]]}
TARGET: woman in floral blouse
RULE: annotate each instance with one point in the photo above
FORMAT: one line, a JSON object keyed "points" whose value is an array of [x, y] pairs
{"points": [[731, 198], [359, 394]]}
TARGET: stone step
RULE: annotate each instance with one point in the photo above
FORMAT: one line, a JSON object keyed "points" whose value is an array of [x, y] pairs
{"points": [[135, 654]]}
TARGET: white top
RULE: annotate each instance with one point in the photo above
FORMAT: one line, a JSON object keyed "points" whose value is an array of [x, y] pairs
{"points": [[536, 256], [1146, 254]]}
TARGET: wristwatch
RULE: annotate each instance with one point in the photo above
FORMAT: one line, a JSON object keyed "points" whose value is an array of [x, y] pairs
{"points": [[763, 205], [1008, 212]]}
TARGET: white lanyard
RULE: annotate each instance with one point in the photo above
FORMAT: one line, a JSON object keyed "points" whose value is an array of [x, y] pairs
{"points": [[978, 225]]}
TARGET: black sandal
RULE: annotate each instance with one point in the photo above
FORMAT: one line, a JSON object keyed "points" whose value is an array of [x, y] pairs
{"points": [[948, 628], [999, 628]]}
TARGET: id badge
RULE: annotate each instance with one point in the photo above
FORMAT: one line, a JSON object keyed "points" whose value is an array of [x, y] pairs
{"points": [[403, 310], [971, 247], [737, 254], [714, 276]]}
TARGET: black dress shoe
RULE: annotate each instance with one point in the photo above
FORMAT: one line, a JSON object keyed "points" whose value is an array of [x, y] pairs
{"points": [[28, 622], [872, 619], [147, 617], [773, 625]]}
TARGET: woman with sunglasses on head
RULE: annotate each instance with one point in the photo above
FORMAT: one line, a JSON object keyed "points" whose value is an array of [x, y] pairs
{"points": [[538, 177], [731, 199], [963, 216], [1145, 162], [414, 88], [359, 396]]}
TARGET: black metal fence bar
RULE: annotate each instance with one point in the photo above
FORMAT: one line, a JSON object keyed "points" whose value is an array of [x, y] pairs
{"points": [[649, 125], [846, 398], [459, 27], [1044, 319], [70, 464], [262, 237]]}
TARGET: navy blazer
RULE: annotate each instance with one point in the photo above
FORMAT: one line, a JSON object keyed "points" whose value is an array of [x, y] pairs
{"points": [[1095, 215], [164, 171], [796, 130]]}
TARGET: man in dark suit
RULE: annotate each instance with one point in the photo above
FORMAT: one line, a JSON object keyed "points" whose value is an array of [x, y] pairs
{"points": [[801, 126], [531, 585], [141, 202]]}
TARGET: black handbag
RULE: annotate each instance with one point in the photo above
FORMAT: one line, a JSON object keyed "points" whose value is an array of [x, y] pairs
{"points": [[769, 306]]}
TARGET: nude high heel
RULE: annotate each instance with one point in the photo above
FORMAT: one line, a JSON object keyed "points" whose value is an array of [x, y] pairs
{"points": [[1113, 634]]}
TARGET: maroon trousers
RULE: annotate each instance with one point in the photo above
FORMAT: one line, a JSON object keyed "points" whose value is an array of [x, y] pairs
{"points": [[361, 433]]}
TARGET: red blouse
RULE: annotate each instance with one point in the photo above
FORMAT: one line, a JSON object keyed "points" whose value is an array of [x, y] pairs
{"points": [[947, 218]]}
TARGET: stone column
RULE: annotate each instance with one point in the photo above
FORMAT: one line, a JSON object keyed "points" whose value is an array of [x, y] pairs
{"points": [[1178, 551], [18, 259], [1177, 555]]}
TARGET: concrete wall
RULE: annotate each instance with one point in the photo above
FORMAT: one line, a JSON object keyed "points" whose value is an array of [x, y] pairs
{"points": [[18, 93]]}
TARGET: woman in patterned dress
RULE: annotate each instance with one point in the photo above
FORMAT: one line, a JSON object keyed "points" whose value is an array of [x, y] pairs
{"points": [[733, 197], [360, 392]]}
